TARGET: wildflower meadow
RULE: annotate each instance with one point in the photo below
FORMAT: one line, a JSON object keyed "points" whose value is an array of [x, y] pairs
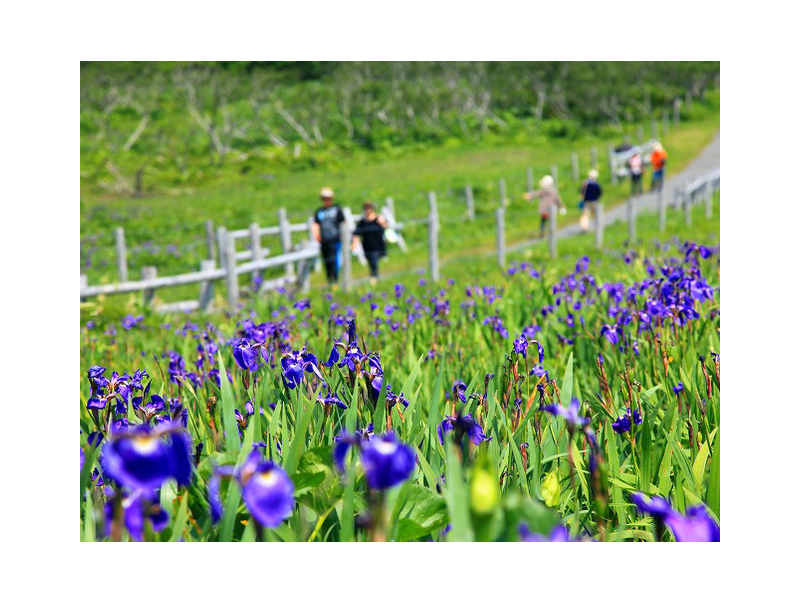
{"points": [[567, 400]]}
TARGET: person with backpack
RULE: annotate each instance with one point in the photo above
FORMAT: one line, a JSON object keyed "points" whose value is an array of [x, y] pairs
{"points": [[325, 229], [635, 171], [369, 231], [591, 191]]}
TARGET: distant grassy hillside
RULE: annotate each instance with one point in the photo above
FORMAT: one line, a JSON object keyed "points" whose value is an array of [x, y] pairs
{"points": [[169, 128]]}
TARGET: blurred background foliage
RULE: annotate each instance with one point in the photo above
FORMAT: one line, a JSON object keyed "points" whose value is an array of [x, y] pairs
{"points": [[150, 128]]}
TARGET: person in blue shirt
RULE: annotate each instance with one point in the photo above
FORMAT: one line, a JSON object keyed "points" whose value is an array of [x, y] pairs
{"points": [[325, 229], [591, 191]]}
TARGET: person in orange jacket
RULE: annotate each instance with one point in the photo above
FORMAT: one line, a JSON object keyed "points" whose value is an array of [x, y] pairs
{"points": [[658, 160]]}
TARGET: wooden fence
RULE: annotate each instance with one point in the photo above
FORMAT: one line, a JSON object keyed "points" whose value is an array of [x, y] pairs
{"points": [[297, 260]]}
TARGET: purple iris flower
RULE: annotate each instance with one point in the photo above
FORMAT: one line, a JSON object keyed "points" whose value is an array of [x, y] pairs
{"points": [[345, 440], [331, 399], [557, 534], [538, 371], [623, 423], [144, 458], [137, 508], [696, 525], [610, 333], [387, 461], [462, 425], [268, 493], [540, 349], [294, 363], [267, 490], [460, 389], [246, 356], [571, 413], [521, 346], [678, 388], [393, 399]]}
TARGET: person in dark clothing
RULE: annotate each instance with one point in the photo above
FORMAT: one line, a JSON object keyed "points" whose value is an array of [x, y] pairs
{"points": [[369, 231], [591, 191], [326, 230]]}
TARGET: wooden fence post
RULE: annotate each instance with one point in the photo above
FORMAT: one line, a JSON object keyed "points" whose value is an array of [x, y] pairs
{"points": [[665, 122], [503, 197], [286, 238], [470, 202], [529, 179], [433, 243], [255, 245], [553, 231], [709, 202], [148, 273], [347, 258], [639, 135], [653, 129], [206, 287], [84, 284], [501, 237], [231, 278], [631, 221], [676, 110], [687, 208], [554, 174], [598, 225], [122, 254], [576, 174], [594, 158], [222, 241], [210, 240], [611, 165], [434, 208], [662, 211]]}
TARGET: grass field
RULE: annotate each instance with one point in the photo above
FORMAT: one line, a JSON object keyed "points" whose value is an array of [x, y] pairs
{"points": [[482, 367], [168, 231]]}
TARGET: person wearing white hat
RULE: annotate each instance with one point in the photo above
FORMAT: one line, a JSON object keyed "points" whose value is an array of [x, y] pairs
{"points": [[325, 229], [549, 201]]}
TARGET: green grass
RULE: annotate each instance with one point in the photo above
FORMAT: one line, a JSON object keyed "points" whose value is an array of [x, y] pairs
{"points": [[671, 454], [179, 220]]}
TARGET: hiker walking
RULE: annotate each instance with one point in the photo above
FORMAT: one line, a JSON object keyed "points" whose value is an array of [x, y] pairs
{"points": [[325, 229], [549, 201], [658, 160], [591, 191], [635, 171], [369, 231]]}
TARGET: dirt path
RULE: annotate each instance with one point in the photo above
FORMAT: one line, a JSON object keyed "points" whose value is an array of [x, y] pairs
{"points": [[707, 161]]}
